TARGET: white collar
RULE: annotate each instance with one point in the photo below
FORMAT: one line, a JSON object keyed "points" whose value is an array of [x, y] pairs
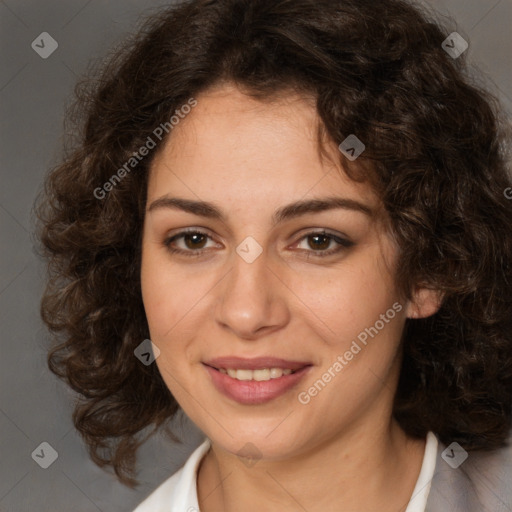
{"points": [[418, 501]]}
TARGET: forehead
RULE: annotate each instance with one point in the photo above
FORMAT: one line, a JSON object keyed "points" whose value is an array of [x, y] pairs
{"points": [[253, 149]]}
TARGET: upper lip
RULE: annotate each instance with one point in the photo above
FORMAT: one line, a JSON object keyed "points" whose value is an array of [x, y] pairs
{"points": [[256, 363]]}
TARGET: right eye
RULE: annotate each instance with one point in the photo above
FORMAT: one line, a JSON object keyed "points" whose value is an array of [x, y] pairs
{"points": [[192, 242]]}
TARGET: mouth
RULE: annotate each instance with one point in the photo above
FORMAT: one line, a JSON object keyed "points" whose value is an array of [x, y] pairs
{"points": [[255, 381], [259, 375]]}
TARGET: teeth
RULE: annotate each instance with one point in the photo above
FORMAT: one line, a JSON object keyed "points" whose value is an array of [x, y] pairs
{"points": [[261, 374], [275, 373], [243, 374], [258, 375]]}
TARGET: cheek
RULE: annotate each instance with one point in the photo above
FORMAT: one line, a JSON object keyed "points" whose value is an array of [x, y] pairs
{"points": [[341, 302], [164, 293], [169, 299], [357, 348], [173, 296]]}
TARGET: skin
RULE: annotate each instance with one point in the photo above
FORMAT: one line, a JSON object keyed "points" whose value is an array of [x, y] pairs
{"points": [[251, 158]]}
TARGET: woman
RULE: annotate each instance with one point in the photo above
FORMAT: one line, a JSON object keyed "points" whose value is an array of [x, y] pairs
{"points": [[288, 219]]}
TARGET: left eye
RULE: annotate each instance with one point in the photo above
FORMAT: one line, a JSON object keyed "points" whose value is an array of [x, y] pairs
{"points": [[319, 243]]}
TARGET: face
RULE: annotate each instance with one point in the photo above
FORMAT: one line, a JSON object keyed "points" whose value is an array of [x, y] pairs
{"points": [[235, 278]]}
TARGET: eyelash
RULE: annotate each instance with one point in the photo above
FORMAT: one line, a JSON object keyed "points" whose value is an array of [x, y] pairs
{"points": [[343, 244]]}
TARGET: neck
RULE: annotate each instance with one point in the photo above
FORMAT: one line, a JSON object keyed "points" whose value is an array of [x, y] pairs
{"points": [[363, 470]]}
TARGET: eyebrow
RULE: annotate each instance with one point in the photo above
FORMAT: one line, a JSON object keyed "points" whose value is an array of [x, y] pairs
{"points": [[290, 211]]}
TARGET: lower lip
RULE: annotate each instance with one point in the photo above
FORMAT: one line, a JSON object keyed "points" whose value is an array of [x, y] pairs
{"points": [[252, 392]]}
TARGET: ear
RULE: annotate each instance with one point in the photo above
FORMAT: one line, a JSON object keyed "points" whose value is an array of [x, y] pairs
{"points": [[424, 302]]}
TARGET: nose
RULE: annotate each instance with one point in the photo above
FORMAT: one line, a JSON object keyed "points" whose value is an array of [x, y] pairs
{"points": [[252, 301]]}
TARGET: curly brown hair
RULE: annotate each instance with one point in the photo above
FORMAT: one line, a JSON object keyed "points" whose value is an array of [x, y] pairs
{"points": [[435, 153]]}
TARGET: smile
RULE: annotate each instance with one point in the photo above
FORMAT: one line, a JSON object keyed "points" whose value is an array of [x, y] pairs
{"points": [[258, 375], [258, 385]]}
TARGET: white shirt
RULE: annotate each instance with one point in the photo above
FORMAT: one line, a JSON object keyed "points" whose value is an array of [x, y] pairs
{"points": [[179, 492]]}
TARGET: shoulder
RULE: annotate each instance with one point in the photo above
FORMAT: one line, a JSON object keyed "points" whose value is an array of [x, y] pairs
{"points": [[179, 492], [476, 481]]}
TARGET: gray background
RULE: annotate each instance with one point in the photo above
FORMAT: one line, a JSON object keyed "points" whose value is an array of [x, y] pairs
{"points": [[34, 405]]}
